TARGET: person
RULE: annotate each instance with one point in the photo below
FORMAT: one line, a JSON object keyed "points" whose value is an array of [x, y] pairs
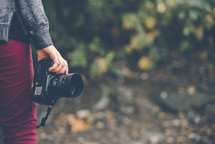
{"points": [[20, 22]]}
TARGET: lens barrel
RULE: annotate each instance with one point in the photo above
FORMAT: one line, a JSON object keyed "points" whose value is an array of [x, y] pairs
{"points": [[70, 86]]}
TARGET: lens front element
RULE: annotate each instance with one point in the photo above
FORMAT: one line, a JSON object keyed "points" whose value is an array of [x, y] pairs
{"points": [[72, 85]]}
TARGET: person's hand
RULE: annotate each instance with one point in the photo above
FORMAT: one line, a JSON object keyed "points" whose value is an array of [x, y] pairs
{"points": [[60, 65]]}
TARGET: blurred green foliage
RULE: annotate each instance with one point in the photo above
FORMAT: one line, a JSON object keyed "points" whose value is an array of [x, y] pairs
{"points": [[94, 34]]}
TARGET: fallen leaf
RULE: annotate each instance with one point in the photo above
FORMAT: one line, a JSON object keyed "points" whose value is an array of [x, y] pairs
{"points": [[77, 124]]}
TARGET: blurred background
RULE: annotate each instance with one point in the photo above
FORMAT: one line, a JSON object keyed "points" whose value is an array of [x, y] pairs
{"points": [[148, 67]]}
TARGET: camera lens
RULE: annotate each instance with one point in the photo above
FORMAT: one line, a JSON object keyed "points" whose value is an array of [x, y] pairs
{"points": [[70, 86], [73, 85]]}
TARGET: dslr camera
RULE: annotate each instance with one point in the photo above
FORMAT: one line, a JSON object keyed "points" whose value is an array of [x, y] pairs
{"points": [[48, 86]]}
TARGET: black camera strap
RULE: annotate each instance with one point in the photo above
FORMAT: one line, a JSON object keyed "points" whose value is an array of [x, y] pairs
{"points": [[43, 121]]}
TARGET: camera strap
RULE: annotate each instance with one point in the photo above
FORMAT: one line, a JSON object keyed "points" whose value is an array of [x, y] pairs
{"points": [[43, 121]]}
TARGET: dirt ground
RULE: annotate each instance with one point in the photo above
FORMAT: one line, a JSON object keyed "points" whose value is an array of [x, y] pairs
{"points": [[121, 112]]}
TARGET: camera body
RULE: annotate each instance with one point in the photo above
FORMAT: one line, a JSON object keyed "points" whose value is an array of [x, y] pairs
{"points": [[48, 86]]}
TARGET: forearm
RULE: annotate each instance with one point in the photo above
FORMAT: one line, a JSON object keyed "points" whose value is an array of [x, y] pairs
{"points": [[35, 19]]}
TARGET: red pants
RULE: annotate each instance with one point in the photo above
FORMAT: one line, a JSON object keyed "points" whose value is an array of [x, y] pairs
{"points": [[17, 111]]}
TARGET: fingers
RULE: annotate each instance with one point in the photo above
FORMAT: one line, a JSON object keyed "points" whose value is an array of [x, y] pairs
{"points": [[67, 69], [56, 64], [60, 65], [63, 68]]}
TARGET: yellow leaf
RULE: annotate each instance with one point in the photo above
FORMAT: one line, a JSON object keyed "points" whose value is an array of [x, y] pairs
{"points": [[210, 18], [144, 63], [102, 65], [152, 35], [129, 49], [150, 22], [199, 32]]}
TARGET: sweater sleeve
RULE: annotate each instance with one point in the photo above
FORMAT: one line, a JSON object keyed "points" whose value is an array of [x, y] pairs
{"points": [[36, 21]]}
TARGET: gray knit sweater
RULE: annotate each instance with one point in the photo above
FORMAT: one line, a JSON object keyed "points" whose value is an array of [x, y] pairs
{"points": [[32, 17]]}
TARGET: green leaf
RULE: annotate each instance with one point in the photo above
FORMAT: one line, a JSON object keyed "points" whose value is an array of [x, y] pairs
{"points": [[78, 57], [185, 45], [96, 47]]}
